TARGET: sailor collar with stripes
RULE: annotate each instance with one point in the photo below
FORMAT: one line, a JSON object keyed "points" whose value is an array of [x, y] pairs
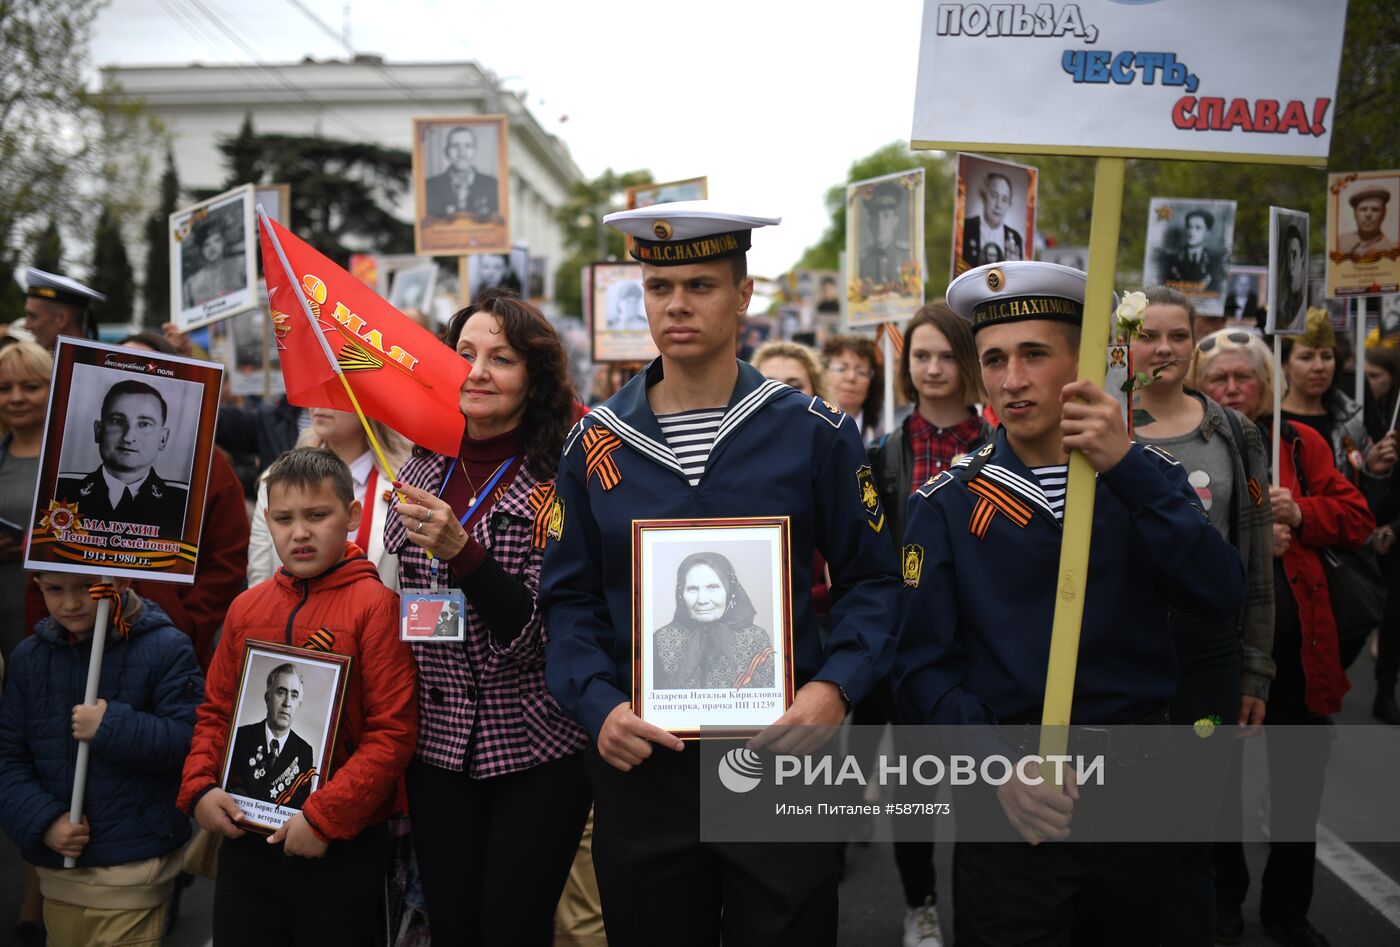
{"points": [[1005, 473], [628, 415]]}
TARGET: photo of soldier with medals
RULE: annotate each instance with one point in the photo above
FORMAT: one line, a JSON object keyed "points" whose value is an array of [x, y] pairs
{"points": [[283, 725]]}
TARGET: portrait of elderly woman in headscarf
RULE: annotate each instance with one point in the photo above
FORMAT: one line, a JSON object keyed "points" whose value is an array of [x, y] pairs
{"points": [[711, 641]]}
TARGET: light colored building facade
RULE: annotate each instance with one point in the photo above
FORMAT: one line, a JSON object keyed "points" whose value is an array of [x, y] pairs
{"points": [[363, 99]]}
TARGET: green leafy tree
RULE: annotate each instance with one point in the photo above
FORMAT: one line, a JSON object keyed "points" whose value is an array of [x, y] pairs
{"points": [[243, 153], [48, 248], [57, 135], [343, 192], [111, 270], [586, 238], [156, 290]]}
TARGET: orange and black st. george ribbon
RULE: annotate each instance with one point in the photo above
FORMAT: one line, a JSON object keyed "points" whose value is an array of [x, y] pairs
{"points": [[539, 501], [598, 445], [993, 499]]}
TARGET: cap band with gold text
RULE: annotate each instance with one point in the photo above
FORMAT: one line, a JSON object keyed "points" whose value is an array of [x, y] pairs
{"points": [[684, 232], [1018, 291]]}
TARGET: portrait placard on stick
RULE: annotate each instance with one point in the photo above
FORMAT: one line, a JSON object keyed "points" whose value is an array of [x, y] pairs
{"points": [[213, 259], [690, 189], [282, 730], [460, 185], [712, 624], [885, 248], [125, 463], [993, 212], [1288, 272], [1363, 233], [1188, 248], [505, 271], [619, 315]]}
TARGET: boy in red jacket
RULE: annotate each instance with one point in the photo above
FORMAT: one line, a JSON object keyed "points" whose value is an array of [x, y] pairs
{"points": [[334, 892]]}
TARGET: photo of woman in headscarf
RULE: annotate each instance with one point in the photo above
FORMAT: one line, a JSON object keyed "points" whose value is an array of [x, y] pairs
{"points": [[711, 642]]}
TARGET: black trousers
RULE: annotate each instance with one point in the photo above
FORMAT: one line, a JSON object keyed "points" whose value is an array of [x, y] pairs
{"points": [[1209, 655], [265, 897], [1388, 643], [494, 853], [912, 857], [1287, 886], [661, 885]]}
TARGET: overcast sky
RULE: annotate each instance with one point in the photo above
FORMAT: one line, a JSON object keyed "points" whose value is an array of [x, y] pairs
{"points": [[772, 100]]}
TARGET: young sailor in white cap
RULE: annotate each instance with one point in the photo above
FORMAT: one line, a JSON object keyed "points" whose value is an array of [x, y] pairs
{"points": [[981, 554], [700, 435], [57, 305]]}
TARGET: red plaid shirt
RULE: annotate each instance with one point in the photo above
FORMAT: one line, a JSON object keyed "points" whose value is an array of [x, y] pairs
{"points": [[935, 447]]}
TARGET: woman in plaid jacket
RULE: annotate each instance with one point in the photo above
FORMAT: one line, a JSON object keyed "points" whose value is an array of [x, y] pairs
{"points": [[497, 791]]}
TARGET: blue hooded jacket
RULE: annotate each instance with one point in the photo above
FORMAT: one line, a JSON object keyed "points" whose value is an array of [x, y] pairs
{"points": [[152, 684]]}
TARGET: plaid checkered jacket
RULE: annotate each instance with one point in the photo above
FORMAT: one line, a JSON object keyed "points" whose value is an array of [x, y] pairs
{"points": [[483, 708]]}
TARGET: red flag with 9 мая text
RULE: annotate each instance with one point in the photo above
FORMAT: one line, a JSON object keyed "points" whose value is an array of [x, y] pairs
{"points": [[401, 373]]}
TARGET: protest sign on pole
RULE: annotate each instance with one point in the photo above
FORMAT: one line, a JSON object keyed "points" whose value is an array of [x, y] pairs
{"points": [[1117, 80]]}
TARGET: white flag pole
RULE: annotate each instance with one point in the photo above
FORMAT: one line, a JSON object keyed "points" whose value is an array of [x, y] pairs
{"points": [[1278, 403], [887, 351], [80, 769]]}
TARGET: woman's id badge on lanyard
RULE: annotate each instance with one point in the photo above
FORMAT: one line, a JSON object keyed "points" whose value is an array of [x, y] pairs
{"points": [[432, 616]]}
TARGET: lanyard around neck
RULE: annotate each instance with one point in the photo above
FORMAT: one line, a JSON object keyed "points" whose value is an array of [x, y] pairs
{"points": [[485, 491]]}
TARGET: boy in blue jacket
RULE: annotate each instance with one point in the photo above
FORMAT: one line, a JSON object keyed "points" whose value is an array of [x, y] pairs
{"points": [[129, 843]]}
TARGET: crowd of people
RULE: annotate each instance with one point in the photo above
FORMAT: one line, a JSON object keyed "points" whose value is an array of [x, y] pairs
{"points": [[501, 788]]}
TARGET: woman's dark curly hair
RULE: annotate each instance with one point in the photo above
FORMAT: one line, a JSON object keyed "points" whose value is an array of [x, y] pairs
{"points": [[549, 405]]}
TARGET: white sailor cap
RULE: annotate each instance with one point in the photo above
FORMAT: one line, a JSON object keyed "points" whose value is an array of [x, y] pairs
{"points": [[683, 232], [59, 289], [1018, 291]]}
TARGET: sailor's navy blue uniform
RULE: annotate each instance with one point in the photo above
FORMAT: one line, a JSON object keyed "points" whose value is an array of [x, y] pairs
{"points": [[778, 453], [981, 557]]}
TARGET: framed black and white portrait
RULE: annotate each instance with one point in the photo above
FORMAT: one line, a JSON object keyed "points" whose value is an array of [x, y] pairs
{"points": [[1363, 233], [1074, 257], [618, 314], [500, 271], [124, 466], [885, 248], [1247, 291], [282, 730], [994, 212], [1288, 272], [412, 287], [1188, 248], [213, 259], [712, 624], [461, 185]]}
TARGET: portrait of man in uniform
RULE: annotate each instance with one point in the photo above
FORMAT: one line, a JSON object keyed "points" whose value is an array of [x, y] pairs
{"points": [[1196, 263], [1370, 208], [711, 640], [886, 212], [1188, 248], [463, 188], [987, 237], [269, 761], [131, 431], [1288, 271], [507, 272]]}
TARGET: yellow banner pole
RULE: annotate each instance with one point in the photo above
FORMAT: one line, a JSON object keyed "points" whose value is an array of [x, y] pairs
{"points": [[1079, 490]]}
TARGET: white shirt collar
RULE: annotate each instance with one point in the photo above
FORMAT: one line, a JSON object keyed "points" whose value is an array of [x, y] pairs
{"points": [[115, 487], [269, 736], [359, 472]]}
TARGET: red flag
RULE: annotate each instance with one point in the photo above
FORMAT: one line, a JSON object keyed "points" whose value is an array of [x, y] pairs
{"points": [[401, 373]]}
